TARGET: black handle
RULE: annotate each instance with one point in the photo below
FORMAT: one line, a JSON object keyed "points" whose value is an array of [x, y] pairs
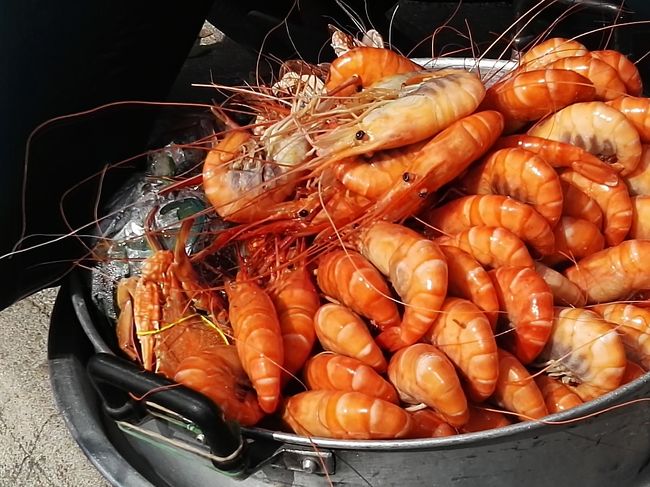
{"points": [[114, 378]]}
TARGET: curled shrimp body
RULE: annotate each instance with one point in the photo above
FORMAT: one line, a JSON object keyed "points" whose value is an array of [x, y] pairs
{"points": [[468, 279], [625, 68], [465, 336], [516, 390], [604, 78], [561, 155], [638, 181], [363, 66], [341, 331], [418, 114], [440, 161], [587, 351], [633, 326], [528, 302], [614, 273], [349, 278], [481, 419], [597, 128], [340, 373], [637, 111], [522, 175], [549, 51], [423, 374], [491, 246], [531, 95], [496, 211], [575, 239], [258, 338], [640, 227], [557, 396], [578, 205], [296, 300], [218, 374], [565, 293], [417, 269], [614, 202], [345, 415], [429, 424]]}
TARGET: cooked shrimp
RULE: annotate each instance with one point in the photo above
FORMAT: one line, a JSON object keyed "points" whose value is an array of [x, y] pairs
{"points": [[557, 396], [625, 68], [465, 336], [417, 269], [597, 128], [218, 374], [481, 420], [497, 211], [614, 202], [362, 66], [296, 300], [340, 373], [633, 326], [349, 278], [604, 78], [258, 338], [565, 293], [637, 111], [614, 273], [516, 390], [640, 227], [578, 205], [587, 351], [345, 415], [440, 161], [429, 424], [531, 95], [491, 246], [419, 114], [341, 331], [468, 279], [639, 180], [522, 175], [549, 51], [575, 239], [561, 155], [528, 302], [423, 374]]}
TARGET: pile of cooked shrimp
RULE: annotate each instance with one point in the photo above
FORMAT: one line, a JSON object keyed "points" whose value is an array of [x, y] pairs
{"points": [[419, 255]]}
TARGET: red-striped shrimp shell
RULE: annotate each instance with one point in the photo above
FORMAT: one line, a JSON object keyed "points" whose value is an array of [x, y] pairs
{"points": [[614, 273], [516, 390], [597, 128], [491, 246], [522, 175], [342, 331], [349, 278], [423, 374], [578, 205], [417, 269], [481, 419], [497, 211], [633, 326], [632, 372], [637, 111], [638, 181], [575, 239], [340, 373], [565, 293], [586, 351], [550, 50], [528, 302], [640, 228], [557, 396], [429, 424], [625, 68], [604, 78], [345, 415], [465, 336], [468, 279]]}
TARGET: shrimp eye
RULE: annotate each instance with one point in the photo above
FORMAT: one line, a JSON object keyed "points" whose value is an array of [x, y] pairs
{"points": [[303, 213], [423, 194], [406, 177], [360, 135]]}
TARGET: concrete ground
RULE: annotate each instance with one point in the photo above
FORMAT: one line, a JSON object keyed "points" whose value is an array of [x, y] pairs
{"points": [[35, 447]]}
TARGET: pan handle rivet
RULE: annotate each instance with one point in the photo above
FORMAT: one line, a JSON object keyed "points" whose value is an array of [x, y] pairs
{"points": [[309, 465]]}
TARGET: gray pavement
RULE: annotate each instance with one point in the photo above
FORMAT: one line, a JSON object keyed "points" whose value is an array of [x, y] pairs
{"points": [[35, 447]]}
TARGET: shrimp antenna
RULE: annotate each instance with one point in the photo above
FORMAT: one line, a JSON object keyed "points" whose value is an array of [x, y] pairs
{"points": [[354, 17]]}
